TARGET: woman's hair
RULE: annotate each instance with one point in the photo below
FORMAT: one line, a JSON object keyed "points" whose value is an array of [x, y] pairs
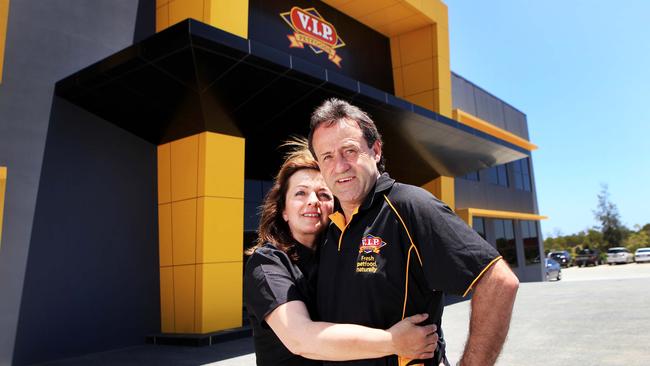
{"points": [[273, 229]]}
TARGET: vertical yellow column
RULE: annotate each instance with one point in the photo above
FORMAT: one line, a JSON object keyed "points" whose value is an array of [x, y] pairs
{"points": [[201, 224], [443, 188], [420, 58], [228, 15], [3, 186], [466, 216], [4, 16]]}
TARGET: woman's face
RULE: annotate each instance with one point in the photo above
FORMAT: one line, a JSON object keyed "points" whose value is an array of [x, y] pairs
{"points": [[308, 204]]}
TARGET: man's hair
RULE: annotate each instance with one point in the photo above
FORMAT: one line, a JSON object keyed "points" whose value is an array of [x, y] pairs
{"points": [[334, 110]]}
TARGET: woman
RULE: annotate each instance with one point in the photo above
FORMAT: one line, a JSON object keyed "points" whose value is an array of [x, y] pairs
{"points": [[277, 289]]}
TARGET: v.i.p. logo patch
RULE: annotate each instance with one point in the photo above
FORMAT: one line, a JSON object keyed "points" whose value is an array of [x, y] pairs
{"points": [[371, 244], [369, 248], [311, 29]]}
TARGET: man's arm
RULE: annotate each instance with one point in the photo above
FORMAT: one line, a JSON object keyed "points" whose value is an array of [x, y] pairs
{"points": [[492, 302], [340, 342]]}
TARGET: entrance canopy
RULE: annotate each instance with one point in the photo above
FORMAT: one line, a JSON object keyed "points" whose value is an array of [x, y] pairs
{"points": [[193, 77]]}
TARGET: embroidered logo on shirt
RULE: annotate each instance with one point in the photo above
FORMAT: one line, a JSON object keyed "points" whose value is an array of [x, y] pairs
{"points": [[369, 248], [371, 244]]}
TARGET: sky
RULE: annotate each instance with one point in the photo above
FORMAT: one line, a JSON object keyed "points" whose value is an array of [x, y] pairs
{"points": [[580, 71]]}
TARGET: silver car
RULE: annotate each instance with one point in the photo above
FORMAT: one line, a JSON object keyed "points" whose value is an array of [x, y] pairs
{"points": [[642, 255], [619, 255], [552, 269]]}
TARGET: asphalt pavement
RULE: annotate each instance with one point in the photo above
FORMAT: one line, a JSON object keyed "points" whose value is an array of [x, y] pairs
{"points": [[593, 316]]}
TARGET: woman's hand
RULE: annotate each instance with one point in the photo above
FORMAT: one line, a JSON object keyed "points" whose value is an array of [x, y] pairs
{"points": [[413, 341]]}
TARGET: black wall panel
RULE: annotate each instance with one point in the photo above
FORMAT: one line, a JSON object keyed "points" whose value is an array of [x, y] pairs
{"points": [[92, 273], [46, 41], [366, 54]]}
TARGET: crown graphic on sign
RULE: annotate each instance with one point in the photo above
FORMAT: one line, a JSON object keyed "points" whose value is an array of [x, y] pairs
{"points": [[311, 29]]}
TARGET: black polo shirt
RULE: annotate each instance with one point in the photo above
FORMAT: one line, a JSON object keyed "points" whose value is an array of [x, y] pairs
{"points": [[400, 252], [271, 279]]}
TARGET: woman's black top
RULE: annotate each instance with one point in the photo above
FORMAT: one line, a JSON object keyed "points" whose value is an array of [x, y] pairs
{"points": [[271, 279]]}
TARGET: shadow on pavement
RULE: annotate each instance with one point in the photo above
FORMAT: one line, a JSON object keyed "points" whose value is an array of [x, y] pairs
{"points": [[162, 355]]}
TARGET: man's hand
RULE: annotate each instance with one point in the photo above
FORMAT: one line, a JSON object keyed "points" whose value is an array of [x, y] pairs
{"points": [[492, 302], [413, 341]]}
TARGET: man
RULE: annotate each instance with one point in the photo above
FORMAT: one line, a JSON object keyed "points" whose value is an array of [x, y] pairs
{"points": [[393, 249]]}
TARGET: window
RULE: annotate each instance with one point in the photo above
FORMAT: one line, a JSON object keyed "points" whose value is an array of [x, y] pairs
{"points": [[478, 224], [521, 173], [531, 241], [505, 239], [498, 175], [473, 176], [254, 192]]}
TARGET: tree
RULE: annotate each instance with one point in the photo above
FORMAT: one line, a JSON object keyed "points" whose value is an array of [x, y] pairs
{"points": [[638, 239], [610, 223]]}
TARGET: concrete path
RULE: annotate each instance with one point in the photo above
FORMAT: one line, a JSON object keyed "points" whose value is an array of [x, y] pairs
{"points": [[593, 316]]}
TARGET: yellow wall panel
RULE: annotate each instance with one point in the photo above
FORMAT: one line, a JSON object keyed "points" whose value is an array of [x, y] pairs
{"points": [[408, 24], [184, 297], [418, 77], [184, 167], [165, 251], [3, 188], [395, 57], [435, 10], [184, 232], [481, 125], [220, 230], [167, 300], [228, 15], [182, 9], [440, 41], [4, 16], [162, 17], [443, 188], [442, 102], [416, 45], [398, 82], [164, 173], [468, 214], [465, 216], [391, 14], [441, 73], [160, 3], [424, 100], [337, 3], [220, 301], [221, 165], [357, 8]]}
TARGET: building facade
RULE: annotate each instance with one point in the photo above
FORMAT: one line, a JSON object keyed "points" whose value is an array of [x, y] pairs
{"points": [[138, 138]]}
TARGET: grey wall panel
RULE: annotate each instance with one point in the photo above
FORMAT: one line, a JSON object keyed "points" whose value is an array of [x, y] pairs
{"points": [[462, 94], [492, 197], [478, 102], [489, 108], [46, 40], [92, 281], [513, 120]]}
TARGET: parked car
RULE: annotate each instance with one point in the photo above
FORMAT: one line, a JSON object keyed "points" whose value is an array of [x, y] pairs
{"points": [[619, 255], [588, 256], [642, 255], [552, 269], [563, 257]]}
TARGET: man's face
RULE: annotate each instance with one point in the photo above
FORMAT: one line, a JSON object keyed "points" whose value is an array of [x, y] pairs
{"points": [[348, 165]]}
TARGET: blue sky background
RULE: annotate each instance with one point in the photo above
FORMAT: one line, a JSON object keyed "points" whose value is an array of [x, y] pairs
{"points": [[580, 70]]}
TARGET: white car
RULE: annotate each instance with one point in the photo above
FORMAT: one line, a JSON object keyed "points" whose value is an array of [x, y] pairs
{"points": [[619, 255], [642, 255]]}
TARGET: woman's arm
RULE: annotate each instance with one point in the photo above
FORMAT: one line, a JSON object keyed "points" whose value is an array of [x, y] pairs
{"points": [[339, 342]]}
